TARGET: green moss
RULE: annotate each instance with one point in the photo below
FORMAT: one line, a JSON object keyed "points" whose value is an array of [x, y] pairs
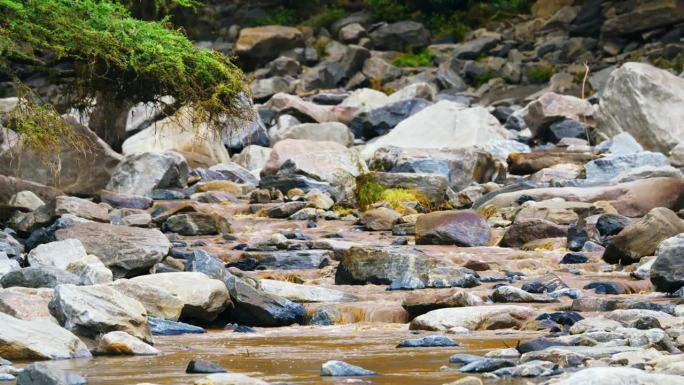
{"points": [[369, 191], [675, 64], [278, 16], [484, 78], [540, 74], [421, 59], [123, 58]]}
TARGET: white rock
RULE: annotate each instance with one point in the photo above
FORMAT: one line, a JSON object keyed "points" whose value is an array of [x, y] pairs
{"points": [[365, 99], [330, 131], [26, 199], [58, 254], [472, 317], [124, 343], [252, 157], [618, 376], [303, 293]]}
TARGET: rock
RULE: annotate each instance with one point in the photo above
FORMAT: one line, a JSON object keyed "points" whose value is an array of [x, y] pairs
{"points": [[306, 112], [646, 102], [622, 144], [567, 129], [486, 365], [263, 89], [40, 373], [380, 71], [229, 379], [36, 277], [303, 293], [205, 302], [432, 187], [573, 258], [160, 327], [605, 169], [380, 219], [114, 343], [527, 230], [528, 163], [285, 210], [11, 185], [618, 376], [57, 254], [284, 260], [552, 107], [63, 169], [642, 237], [329, 132], [118, 200], [611, 224], [427, 342], [324, 75], [197, 224], [252, 157], [158, 302], [94, 310], [125, 250], [90, 271], [141, 173], [365, 99], [298, 151], [26, 303], [473, 318], [351, 33], [400, 36], [460, 228], [343, 369], [7, 265], [379, 121], [676, 155], [38, 339], [638, 17], [26, 200], [202, 366], [262, 44], [472, 49], [417, 303], [380, 265], [200, 146], [667, 272], [257, 308], [507, 294], [466, 381], [235, 173], [442, 125]]}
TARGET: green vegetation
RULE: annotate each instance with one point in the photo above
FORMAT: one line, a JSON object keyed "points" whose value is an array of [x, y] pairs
{"points": [[675, 64], [325, 17], [369, 191], [484, 78], [540, 74], [421, 59], [115, 58], [278, 16]]}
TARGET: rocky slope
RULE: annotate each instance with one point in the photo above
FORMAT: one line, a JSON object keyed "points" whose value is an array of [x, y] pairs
{"points": [[526, 179]]}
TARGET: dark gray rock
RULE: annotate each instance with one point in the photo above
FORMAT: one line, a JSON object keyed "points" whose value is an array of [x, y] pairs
{"points": [[573, 258], [285, 260], [606, 287], [203, 262], [611, 224], [39, 276], [472, 49], [380, 121], [343, 369], [41, 373], [284, 210], [667, 272], [401, 36], [567, 128], [160, 327], [427, 342], [118, 200], [464, 359], [546, 283], [202, 366], [486, 365], [235, 173]]}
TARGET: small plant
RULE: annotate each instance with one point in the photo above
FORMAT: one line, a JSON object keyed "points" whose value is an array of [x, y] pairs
{"points": [[387, 10], [369, 191], [420, 59], [484, 78], [325, 17], [540, 74]]}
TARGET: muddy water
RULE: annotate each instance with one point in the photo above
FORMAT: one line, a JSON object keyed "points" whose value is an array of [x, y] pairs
{"points": [[294, 355]]}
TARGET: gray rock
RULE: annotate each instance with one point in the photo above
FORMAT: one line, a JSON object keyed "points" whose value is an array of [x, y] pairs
{"points": [[431, 186], [235, 173], [41, 373], [343, 369], [486, 365], [605, 169], [472, 49], [380, 121], [330, 131], [380, 71], [285, 260], [197, 224], [667, 272], [428, 342], [400, 36], [139, 174], [263, 89], [39, 276]]}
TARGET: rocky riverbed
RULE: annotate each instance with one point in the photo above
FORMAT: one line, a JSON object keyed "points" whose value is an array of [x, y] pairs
{"points": [[371, 224]]}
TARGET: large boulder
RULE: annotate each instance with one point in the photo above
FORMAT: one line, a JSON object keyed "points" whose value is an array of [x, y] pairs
{"points": [[326, 132], [158, 302], [667, 272], [304, 111], [26, 303], [637, 16], [252, 157], [38, 276], [203, 298], [474, 318], [262, 44], [127, 251], [99, 309], [646, 102], [401, 36], [379, 121], [141, 173], [443, 125], [431, 186], [9, 186], [40, 373], [58, 254], [199, 144], [38, 339], [551, 108], [641, 238], [460, 228], [618, 376], [64, 169], [527, 230]]}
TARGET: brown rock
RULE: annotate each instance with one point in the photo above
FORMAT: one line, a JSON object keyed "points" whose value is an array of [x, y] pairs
{"points": [[552, 107], [642, 237], [26, 303], [267, 42], [528, 163], [304, 111], [380, 219], [461, 228], [422, 301], [527, 230], [10, 185]]}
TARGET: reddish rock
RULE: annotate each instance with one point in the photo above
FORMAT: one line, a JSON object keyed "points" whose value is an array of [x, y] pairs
{"points": [[461, 228], [527, 230]]}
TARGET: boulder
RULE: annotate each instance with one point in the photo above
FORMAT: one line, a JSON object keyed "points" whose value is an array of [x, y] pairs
{"points": [[200, 145], [460, 228], [604, 169], [127, 251], [197, 224], [432, 187], [26, 303], [122, 343], [617, 376], [63, 168], [158, 302], [262, 44], [365, 99], [527, 230], [423, 301], [474, 318], [38, 339], [381, 265], [95, 310], [641, 16], [306, 112], [284, 260], [380, 219], [351, 33], [646, 102], [343, 369], [472, 49], [528, 163], [39, 276], [263, 89], [235, 173], [442, 125], [58, 254], [202, 366], [551, 108], [667, 272], [141, 173], [326, 132], [40, 373], [401, 36], [252, 157], [7, 265], [293, 149], [380, 71], [301, 293], [11, 185], [642, 237], [379, 121], [26, 200], [160, 327], [203, 298]]}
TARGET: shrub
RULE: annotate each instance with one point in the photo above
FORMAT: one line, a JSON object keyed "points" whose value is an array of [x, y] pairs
{"points": [[540, 74], [325, 17], [421, 59]]}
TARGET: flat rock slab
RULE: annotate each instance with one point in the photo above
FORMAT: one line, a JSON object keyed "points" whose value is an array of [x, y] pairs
{"points": [[473, 318]]}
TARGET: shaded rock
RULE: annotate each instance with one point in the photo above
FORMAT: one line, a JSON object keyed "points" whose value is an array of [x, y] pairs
{"points": [[236, 173], [160, 327], [141, 173], [528, 163], [284, 260], [207, 299], [40, 373], [94, 310], [266, 43], [420, 302], [380, 219], [157, 301], [125, 250], [548, 283], [343, 369], [611, 224], [644, 101], [114, 343], [606, 287], [401, 36], [552, 107], [461, 228], [528, 230], [472, 49], [473, 318], [427, 342], [573, 258], [202, 366], [119, 200], [642, 237], [567, 129], [285, 210], [486, 365], [26, 200], [381, 265], [305, 112], [381, 120], [38, 339], [39, 276], [667, 272]]}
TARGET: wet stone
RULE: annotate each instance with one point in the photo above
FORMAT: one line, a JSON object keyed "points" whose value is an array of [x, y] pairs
{"points": [[606, 287], [486, 365], [343, 369], [202, 366], [573, 258], [160, 327], [427, 342]]}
